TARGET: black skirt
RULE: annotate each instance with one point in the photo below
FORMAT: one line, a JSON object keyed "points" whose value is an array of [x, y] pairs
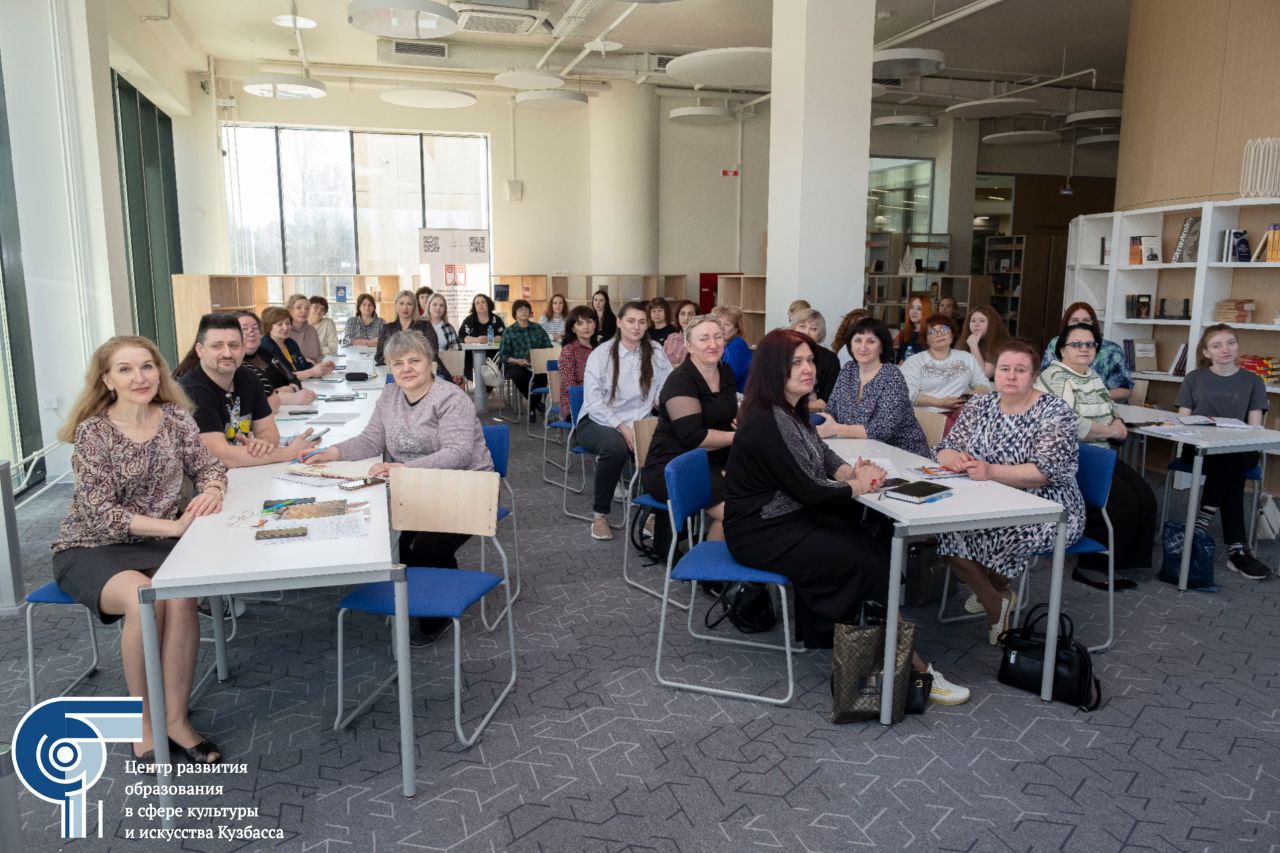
{"points": [[83, 572]]}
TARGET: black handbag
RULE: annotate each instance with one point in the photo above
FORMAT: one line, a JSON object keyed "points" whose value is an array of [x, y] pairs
{"points": [[1023, 661], [748, 606], [918, 690], [358, 376]]}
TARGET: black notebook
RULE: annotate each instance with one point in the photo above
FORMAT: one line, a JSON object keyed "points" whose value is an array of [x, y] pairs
{"points": [[919, 492]]}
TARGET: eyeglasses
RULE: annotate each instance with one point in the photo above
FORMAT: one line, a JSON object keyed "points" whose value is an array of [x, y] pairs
{"points": [[939, 331], [1082, 344]]}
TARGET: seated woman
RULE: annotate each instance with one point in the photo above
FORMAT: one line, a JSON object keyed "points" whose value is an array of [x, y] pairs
{"points": [[940, 379], [737, 352], [789, 503], [1220, 388], [521, 337], [660, 325], [406, 321], [481, 326], [696, 408], [1024, 439], [809, 322], [607, 325], [1108, 362], [673, 346], [870, 397], [325, 328], [580, 334], [621, 386], [911, 337], [421, 423], [281, 351], [283, 386], [423, 296], [133, 443], [553, 321], [987, 336], [840, 343], [364, 329], [301, 331], [1131, 503], [438, 317]]}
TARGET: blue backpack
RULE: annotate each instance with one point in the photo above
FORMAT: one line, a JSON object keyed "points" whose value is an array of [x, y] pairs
{"points": [[1203, 551]]}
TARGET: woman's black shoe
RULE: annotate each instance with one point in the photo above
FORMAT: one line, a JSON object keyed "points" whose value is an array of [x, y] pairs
{"points": [[1121, 583], [198, 754], [427, 630]]}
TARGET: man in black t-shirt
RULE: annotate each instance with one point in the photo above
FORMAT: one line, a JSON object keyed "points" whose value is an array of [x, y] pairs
{"points": [[232, 411]]}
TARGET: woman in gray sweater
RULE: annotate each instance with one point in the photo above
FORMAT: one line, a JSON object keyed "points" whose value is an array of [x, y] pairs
{"points": [[421, 423]]}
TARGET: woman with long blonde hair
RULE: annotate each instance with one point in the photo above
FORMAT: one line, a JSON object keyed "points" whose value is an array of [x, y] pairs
{"points": [[134, 441], [987, 335]]}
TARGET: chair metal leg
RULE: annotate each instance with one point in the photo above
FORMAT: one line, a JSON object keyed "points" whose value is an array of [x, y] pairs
{"points": [[1111, 587], [1164, 503], [463, 738], [626, 552], [1257, 501], [31, 654], [515, 538], [340, 722], [942, 605]]}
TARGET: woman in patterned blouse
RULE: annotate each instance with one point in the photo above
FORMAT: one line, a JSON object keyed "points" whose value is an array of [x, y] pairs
{"points": [[134, 441], [870, 397], [1025, 439], [364, 329], [581, 327]]}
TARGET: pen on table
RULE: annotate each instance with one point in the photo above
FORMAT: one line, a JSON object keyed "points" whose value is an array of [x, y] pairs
{"points": [[304, 457]]}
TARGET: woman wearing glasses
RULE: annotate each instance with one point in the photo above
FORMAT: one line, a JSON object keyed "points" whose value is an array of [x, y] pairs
{"points": [[1131, 504], [1108, 361], [941, 379]]}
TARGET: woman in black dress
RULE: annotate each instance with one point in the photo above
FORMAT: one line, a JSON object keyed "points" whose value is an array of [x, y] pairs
{"points": [[809, 322], [608, 322], [696, 409]]}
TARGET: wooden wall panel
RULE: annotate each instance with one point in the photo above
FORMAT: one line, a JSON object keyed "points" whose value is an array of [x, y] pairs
{"points": [[1248, 96]]}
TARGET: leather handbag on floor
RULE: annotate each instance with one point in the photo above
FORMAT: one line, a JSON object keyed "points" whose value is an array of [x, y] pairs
{"points": [[748, 606], [918, 692], [1203, 551], [857, 670], [1023, 661]]}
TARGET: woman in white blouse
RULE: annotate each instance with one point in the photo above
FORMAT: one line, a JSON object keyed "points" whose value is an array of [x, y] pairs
{"points": [[941, 379], [621, 386]]}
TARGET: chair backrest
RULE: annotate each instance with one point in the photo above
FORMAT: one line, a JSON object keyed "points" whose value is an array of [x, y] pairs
{"points": [[688, 486], [498, 439], [576, 396], [933, 424], [1093, 474], [1139, 395], [553, 390], [643, 430], [391, 380], [454, 361], [434, 500], [539, 358]]}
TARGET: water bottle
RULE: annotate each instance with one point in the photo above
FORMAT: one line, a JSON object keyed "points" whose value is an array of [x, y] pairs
{"points": [[490, 328]]}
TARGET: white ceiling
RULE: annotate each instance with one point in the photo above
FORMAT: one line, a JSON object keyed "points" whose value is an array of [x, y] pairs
{"points": [[1013, 39]]}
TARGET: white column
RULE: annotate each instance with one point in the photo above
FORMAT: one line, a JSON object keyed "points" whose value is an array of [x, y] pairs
{"points": [[955, 177], [624, 180], [820, 131]]}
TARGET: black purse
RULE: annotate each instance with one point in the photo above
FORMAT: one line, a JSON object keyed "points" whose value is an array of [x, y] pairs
{"points": [[747, 606], [1023, 661]]}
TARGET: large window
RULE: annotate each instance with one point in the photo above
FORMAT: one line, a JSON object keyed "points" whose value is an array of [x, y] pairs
{"points": [[899, 195], [337, 201]]}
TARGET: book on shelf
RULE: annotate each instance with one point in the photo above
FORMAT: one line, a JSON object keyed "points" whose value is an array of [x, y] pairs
{"points": [[1264, 245], [1105, 256], [1135, 251], [1150, 250], [1179, 366], [1234, 310], [1144, 355], [1273, 245], [1235, 246], [1188, 246], [1137, 306], [1127, 346]]}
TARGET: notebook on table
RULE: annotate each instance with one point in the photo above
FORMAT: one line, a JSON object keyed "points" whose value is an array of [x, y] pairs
{"points": [[919, 492]]}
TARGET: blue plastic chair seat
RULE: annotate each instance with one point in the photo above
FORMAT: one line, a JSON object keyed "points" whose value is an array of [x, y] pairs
{"points": [[1254, 473], [560, 425], [543, 390], [710, 561], [579, 450], [50, 593], [651, 503], [445, 593], [503, 512], [1083, 545]]}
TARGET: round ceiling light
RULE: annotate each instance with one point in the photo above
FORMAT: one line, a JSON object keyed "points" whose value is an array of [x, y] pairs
{"points": [[551, 100], [1022, 137], [528, 78], [905, 63], [879, 90], [1100, 140], [429, 99], [702, 115], [286, 87], [909, 121], [724, 67], [1097, 119], [291, 21], [403, 19], [597, 45], [993, 107]]}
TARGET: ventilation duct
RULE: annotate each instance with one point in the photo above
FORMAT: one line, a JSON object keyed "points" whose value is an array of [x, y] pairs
{"points": [[398, 52], [506, 17]]}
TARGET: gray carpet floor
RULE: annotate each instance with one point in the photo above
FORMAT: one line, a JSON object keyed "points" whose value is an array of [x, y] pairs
{"points": [[590, 753]]}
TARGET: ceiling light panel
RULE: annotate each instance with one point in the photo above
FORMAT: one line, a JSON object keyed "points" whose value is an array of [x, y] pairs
{"points": [[725, 68], [429, 99], [702, 115], [403, 19], [291, 21], [285, 87], [528, 78], [551, 100], [1022, 137], [906, 63], [904, 121]]}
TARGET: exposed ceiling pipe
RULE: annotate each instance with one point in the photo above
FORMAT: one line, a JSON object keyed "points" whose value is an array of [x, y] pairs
{"points": [[297, 36], [477, 78], [168, 13], [564, 72], [937, 23], [1092, 71], [759, 100], [669, 92]]}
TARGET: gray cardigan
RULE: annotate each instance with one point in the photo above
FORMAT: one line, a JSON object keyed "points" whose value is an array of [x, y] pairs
{"points": [[440, 431]]}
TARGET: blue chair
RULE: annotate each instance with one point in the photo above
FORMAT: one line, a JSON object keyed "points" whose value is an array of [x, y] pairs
{"points": [[555, 420], [52, 594], [498, 439], [391, 380], [436, 501], [1253, 475], [689, 493], [644, 430], [1094, 474]]}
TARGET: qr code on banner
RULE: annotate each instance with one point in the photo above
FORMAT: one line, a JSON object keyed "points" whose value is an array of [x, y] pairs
{"points": [[478, 245], [431, 243]]}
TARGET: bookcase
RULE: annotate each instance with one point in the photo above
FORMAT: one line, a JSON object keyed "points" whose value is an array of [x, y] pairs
{"points": [[886, 296], [197, 295], [746, 293], [1204, 281], [534, 288], [672, 288]]}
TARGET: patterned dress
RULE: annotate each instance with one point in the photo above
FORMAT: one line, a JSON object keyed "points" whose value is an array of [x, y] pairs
{"points": [[1045, 436], [883, 409]]}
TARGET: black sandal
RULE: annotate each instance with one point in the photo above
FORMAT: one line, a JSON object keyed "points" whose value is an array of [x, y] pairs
{"points": [[198, 754], [1121, 583], [146, 760]]}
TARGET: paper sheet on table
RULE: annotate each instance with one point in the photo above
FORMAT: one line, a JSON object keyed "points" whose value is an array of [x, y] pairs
{"points": [[335, 418], [321, 529], [1172, 432], [343, 470]]}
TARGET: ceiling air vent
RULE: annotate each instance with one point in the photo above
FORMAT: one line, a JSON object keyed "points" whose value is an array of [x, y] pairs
{"points": [[660, 61], [394, 51], [887, 81], [508, 18]]}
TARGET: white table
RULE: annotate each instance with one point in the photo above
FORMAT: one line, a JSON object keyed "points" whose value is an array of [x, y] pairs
{"points": [[975, 506], [479, 393], [213, 559], [1208, 441]]}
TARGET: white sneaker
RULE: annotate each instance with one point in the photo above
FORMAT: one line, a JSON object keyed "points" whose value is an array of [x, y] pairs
{"points": [[619, 492], [944, 692], [600, 527], [972, 605]]}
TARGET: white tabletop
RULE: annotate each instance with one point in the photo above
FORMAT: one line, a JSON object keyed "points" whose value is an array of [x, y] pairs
{"points": [[1213, 440], [1142, 415], [493, 345], [974, 504]]}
